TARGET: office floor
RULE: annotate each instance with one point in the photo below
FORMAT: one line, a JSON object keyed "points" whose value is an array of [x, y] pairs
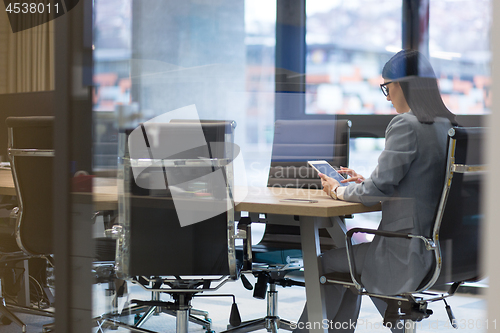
{"points": [[469, 310]]}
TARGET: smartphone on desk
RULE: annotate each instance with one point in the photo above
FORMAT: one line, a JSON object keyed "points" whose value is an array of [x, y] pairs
{"points": [[325, 168]]}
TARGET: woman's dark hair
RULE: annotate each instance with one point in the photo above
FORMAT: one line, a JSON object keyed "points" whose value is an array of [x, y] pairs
{"points": [[419, 84]]}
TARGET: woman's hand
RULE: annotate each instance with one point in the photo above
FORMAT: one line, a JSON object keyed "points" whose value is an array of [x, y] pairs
{"points": [[353, 176], [328, 183]]}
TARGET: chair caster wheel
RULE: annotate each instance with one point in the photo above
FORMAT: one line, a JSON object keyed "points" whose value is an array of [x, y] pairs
{"points": [[5, 321]]}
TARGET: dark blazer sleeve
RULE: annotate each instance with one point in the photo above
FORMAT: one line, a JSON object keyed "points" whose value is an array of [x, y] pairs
{"points": [[393, 164]]}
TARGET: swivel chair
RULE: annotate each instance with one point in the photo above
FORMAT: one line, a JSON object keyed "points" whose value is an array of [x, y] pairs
{"points": [[276, 259], [318, 140], [298, 141], [454, 240], [30, 151], [176, 233]]}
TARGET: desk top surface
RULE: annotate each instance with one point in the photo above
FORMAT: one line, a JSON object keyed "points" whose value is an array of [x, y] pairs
{"points": [[6, 183], [251, 199], [270, 200]]}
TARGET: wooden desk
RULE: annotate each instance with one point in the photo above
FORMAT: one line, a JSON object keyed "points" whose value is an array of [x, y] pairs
{"points": [[251, 199], [268, 200], [105, 194], [6, 183], [322, 214]]}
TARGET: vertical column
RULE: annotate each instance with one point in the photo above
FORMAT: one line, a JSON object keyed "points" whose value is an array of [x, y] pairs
{"points": [[61, 174], [416, 25], [72, 142], [290, 59]]}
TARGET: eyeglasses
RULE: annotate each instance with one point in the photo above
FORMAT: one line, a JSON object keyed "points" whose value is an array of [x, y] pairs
{"points": [[384, 88]]}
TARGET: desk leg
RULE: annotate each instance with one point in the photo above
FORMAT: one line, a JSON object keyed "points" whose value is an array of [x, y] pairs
{"points": [[337, 231], [310, 250]]}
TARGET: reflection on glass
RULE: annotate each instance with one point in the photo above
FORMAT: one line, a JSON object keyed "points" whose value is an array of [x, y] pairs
{"points": [[151, 58], [218, 56]]}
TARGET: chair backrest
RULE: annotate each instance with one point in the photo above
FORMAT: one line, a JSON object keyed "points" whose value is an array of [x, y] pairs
{"points": [[180, 225], [298, 141], [458, 218], [30, 150]]}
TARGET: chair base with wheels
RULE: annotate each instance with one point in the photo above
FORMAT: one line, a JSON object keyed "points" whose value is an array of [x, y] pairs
{"points": [[182, 292], [8, 317], [404, 310], [8, 310], [143, 310], [272, 276]]}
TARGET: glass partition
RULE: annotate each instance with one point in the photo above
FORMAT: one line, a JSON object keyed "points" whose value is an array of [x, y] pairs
{"points": [[216, 59], [219, 58], [164, 61]]}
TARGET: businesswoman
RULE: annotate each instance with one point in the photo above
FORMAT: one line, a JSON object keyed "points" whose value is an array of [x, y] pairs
{"points": [[407, 181]]}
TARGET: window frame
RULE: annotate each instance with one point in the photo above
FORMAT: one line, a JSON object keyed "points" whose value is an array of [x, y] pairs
{"points": [[290, 39]]}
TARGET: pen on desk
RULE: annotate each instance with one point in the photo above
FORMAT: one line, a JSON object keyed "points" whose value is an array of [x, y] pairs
{"points": [[300, 200]]}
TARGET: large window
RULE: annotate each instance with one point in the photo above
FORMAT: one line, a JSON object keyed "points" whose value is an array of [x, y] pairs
{"points": [[347, 44], [459, 48]]}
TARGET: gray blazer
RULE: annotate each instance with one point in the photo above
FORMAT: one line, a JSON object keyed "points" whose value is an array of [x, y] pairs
{"points": [[408, 181]]}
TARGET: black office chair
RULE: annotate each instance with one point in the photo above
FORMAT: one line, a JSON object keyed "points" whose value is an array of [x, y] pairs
{"points": [[30, 151], [172, 170], [298, 141], [277, 258], [454, 240]]}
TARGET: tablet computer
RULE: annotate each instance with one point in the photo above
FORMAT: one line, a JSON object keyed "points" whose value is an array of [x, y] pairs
{"points": [[325, 168]]}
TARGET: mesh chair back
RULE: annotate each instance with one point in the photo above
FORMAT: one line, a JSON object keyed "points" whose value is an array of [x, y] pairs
{"points": [[298, 141], [31, 156]]}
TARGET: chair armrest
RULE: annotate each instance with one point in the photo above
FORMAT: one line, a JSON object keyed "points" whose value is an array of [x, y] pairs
{"points": [[429, 245], [377, 232]]}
